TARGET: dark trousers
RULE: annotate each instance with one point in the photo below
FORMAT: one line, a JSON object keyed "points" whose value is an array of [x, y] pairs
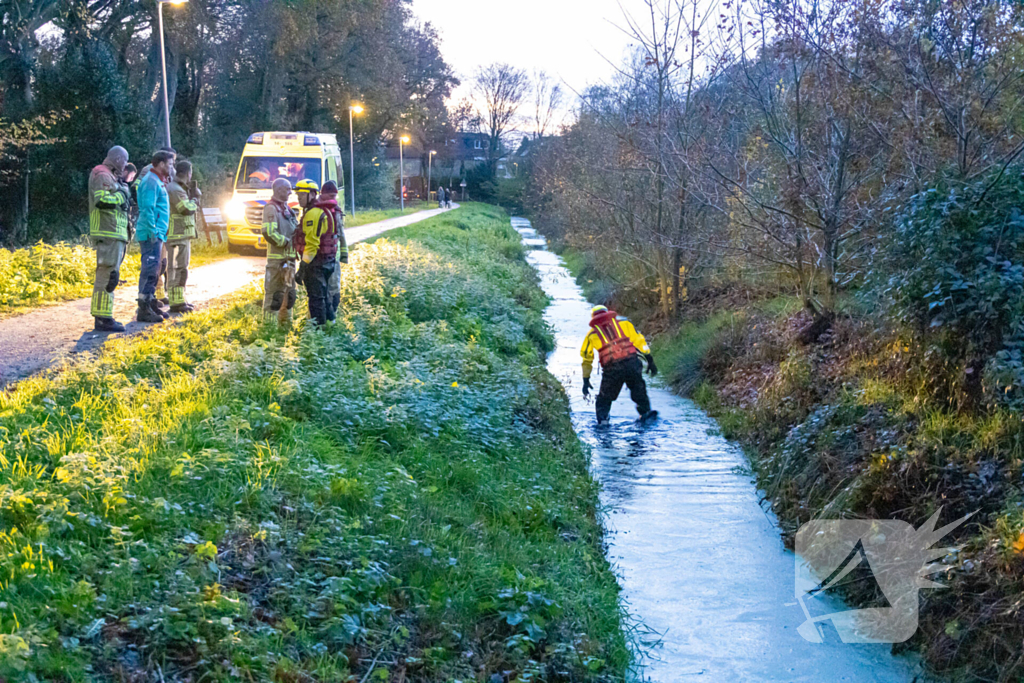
{"points": [[152, 259], [318, 290], [629, 372]]}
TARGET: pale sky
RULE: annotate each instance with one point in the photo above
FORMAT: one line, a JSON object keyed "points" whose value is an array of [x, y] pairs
{"points": [[565, 38]]}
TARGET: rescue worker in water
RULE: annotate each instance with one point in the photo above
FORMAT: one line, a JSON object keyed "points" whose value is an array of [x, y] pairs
{"points": [[619, 347]]}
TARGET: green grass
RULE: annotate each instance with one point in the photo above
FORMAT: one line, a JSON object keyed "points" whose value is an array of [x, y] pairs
{"points": [[364, 216], [46, 274], [682, 352], [397, 496]]}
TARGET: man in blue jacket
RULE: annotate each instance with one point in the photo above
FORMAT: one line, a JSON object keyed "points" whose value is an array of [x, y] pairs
{"points": [[151, 232]]}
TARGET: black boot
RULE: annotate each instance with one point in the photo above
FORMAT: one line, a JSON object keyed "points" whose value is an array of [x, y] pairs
{"points": [[154, 305], [108, 325], [180, 308], [146, 314]]}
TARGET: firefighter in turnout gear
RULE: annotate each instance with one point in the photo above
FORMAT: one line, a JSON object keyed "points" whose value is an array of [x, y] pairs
{"points": [[279, 226], [317, 245], [619, 347], [182, 230], [329, 193], [109, 204]]}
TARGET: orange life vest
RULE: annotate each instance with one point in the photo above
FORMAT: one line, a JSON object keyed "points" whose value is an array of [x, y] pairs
{"points": [[615, 345]]}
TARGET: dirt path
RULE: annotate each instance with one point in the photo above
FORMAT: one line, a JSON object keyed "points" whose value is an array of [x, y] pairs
{"points": [[34, 340]]}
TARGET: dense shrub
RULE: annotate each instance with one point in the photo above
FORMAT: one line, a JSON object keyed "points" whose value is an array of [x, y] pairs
{"points": [[958, 277]]}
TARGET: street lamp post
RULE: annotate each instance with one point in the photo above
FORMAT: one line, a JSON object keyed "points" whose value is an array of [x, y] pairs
{"points": [[163, 65], [354, 109], [430, 161], [401, 167]]}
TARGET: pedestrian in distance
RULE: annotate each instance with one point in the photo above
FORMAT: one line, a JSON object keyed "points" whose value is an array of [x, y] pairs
{"points": [[109, 207], [151, 234], [184, 199], [448, 198], [619, 346], [440, 197], [329, 193], [279, 225]]}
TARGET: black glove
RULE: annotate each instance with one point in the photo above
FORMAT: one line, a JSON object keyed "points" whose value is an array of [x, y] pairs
{"points": [[652, 369], [586, 387], [300, 274]]}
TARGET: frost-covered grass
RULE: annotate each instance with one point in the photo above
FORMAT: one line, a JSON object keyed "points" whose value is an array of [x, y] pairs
{"points": [[398, 496]]}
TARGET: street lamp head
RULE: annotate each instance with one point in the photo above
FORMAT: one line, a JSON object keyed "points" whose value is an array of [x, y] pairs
{"points": [[356, 109], [405, 139], [433, 151], [175, 2]]}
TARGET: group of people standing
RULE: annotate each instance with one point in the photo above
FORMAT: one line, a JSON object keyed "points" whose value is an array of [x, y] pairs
{"points": [[315, 242], [157, 207], [444, 198]]}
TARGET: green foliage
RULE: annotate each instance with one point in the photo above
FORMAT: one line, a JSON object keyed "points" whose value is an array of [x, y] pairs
{"points": [[958, 261], [375, 181], [684, 352], [48, 273], [402, 488], [36, 274]]}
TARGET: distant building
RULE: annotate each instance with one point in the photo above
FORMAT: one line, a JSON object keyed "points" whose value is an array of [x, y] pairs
{"points": [[455, 156]]}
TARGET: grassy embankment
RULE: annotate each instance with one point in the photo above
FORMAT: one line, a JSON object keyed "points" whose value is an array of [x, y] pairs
{"points": [[850, 426], [51, 273], [398, 496]]}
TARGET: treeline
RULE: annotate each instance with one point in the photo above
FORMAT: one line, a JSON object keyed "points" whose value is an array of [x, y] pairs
{"points": [[81, 75], [820, 206], [778, 141]]}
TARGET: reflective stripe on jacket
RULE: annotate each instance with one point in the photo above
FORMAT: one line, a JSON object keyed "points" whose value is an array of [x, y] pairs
{"points": [[603, 336], [108, 205], [279, 226], [154, 209], [183, 214]]}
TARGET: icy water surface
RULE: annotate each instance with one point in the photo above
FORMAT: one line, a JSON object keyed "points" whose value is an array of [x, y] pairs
{"points": [[699, 561]]}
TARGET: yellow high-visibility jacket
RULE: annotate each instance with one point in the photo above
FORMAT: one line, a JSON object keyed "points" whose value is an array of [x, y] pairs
{"points": [[183, 214], [594, 342], [314, 223], [279, 224], [108, 205]]}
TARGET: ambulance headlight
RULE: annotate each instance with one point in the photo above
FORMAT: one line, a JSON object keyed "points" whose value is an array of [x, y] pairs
{"points": [[235, 210]]}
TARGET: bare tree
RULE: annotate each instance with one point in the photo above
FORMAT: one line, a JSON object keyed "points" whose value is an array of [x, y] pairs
{"points": [[547, 100], [464, 116], [502, 89]]}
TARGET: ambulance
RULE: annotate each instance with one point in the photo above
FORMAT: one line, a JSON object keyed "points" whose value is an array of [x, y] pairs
{"points": [[268, 156]]}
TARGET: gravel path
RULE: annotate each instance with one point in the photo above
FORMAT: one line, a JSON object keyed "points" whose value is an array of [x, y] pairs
{"points": [[35, 340]]}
